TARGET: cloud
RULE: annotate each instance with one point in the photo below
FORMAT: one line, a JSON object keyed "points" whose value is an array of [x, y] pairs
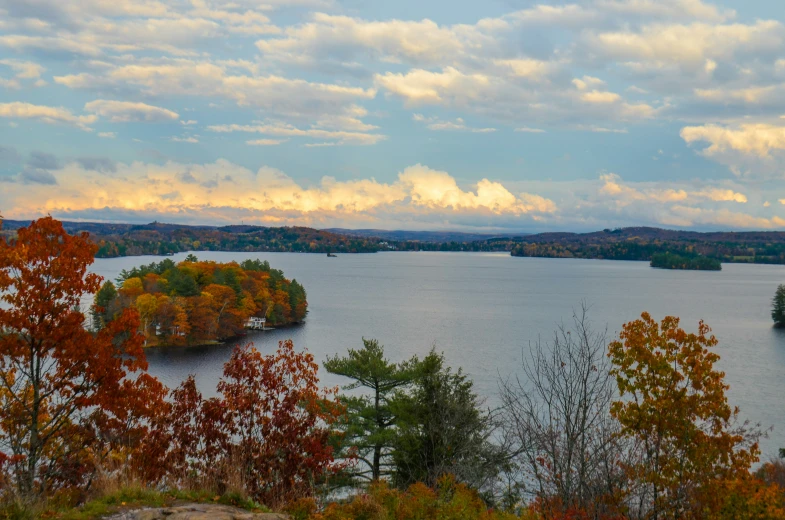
{"points": [[613, 186], [278, 128], [184, 139], [268, 195], [98, 164], [126, 111], [266, 142], [530, 130], [45, 114], [24, 72], [450, 86], [345, 39], [596, 96], [31, 175], [688, 44], [434, 123], [754, 150], [43, 160], [294, 99], [759, 140], [107, 135]]}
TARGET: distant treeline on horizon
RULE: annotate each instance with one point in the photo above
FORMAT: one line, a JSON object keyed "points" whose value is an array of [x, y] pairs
{"points": [[633, 243]]}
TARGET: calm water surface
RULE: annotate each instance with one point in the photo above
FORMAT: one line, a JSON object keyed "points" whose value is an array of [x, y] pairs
{"points": [[483, 311]]}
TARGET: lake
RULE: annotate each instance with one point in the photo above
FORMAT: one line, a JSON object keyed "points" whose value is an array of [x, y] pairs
{"points": [[483, 310]]}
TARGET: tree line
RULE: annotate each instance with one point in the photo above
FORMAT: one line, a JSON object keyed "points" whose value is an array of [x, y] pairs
{"points": [[636, 426], [200, 301]]}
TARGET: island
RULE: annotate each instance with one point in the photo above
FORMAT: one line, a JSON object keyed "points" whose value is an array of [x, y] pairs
{"points": [[695, 263], [201, 302]]}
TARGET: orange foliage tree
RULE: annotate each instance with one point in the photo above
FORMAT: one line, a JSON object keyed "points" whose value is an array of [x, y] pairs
{"points": [[272, 423], [62, 388], [672, 401]]}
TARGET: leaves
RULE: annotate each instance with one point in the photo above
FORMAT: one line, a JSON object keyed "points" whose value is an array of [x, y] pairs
{"points": [[673, 401], [61, 387]]}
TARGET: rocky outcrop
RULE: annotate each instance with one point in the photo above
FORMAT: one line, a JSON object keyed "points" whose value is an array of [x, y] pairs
{"points": [[196, 512]]}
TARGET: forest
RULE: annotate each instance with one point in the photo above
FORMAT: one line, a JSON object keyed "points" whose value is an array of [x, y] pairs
{"points": [[195, 302], [633, 426]]}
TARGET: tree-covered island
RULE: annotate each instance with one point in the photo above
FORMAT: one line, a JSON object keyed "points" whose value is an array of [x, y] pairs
{"points": [[693, 263], [196, 302]]}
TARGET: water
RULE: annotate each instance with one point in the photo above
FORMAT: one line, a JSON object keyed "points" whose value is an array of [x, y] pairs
{"points": [[483, 311]]}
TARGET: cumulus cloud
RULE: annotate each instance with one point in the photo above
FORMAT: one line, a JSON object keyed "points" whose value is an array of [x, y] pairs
{"points": [[760, 140], [225, 191], [126, 111]]}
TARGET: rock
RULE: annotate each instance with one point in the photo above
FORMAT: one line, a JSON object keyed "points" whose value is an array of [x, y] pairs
{"points": [[196, 512]]}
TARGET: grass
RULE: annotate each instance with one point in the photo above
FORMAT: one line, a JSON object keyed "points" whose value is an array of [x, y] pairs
{"points": [[126, 499]]}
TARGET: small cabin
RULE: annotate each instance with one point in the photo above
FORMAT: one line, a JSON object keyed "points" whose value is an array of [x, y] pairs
{"points": [[255, 323]]}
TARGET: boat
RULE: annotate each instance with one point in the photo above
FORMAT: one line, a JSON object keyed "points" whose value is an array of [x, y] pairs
{"points": [[330, 255]]}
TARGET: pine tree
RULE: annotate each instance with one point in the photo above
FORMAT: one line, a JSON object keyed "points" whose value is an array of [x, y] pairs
{"points": [[778, 307], [370, 426]]}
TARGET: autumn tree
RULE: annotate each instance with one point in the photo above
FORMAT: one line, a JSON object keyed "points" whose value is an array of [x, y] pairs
{"points": [[672, 400], [55, 375], [271, 422], [371, 421]]}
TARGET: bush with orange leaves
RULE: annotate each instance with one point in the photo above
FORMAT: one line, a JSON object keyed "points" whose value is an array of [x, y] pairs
{"points": [[448, 501]]}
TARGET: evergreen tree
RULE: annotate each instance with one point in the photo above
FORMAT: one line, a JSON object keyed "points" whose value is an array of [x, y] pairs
{"points": [[370, 419], [778, 307], [104, 306], [442, 430]]}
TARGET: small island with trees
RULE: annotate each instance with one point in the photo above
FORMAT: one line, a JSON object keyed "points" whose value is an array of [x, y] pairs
{"points": [[694, 263], [197, 302]]}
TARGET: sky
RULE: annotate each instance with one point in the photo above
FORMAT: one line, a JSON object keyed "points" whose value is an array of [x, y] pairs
{"points": [[500, 115]]}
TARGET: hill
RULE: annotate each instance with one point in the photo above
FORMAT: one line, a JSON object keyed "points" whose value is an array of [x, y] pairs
{"points": [[164, 239]]}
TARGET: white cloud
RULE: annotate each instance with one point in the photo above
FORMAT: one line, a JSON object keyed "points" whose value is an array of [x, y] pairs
{"points": [[285, 130], [759, 140], [326, 37], [285, 97], [24, 69], [46, 114], [266, 142], [125, 111], [184, 139], [530, 130], [458, 124], [225, 191], [690, 44], [598, 97]]}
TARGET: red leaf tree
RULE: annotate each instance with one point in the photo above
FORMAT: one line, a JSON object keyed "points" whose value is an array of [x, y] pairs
{"points": [[272, 423], [62, 388]]}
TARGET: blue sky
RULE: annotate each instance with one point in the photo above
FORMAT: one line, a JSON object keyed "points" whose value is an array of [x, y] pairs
{"points": [[507, 115]]}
